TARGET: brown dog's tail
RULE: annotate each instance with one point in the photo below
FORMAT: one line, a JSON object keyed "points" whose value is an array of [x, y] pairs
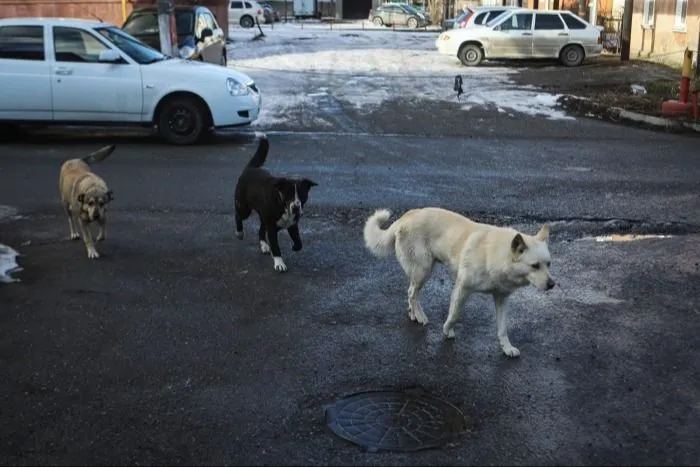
{"points": [[261, 154], [99, 155]]}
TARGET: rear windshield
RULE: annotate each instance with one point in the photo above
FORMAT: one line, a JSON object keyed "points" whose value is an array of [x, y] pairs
{"points": [[146, 22]]}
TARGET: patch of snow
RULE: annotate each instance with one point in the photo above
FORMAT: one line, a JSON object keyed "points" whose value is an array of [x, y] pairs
{"points": [[299, 68], [8, 264]]}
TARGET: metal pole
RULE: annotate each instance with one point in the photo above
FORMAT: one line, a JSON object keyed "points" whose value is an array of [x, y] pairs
{"points": [[165, 9], [593, 12], [626, 36]]}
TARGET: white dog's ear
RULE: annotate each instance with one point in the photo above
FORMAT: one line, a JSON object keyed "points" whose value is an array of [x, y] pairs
{"points": [[543, 234], [517, 246]]}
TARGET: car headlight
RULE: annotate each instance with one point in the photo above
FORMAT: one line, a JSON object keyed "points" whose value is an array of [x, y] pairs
{"points": [[236, 88], [186, 51]]}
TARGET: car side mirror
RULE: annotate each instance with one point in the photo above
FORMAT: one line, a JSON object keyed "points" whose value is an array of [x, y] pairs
{"points": [[109, 56], [206, 32]]}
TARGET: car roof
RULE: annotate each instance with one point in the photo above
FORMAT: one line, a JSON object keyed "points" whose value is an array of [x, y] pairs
{"points": [[150, 8], [40, 21]]}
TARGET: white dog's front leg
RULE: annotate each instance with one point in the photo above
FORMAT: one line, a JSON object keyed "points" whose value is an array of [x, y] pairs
{"points": [[502, 325], [459, 295]]}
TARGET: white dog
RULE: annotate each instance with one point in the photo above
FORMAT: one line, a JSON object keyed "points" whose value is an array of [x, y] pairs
{"points": [[481, 257]]}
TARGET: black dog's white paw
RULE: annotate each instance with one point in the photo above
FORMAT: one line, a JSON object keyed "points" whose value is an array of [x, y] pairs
{"points": [[279, 264]]}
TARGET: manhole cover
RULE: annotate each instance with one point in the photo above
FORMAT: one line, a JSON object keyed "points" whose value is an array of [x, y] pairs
{"points": [[395, 420]]}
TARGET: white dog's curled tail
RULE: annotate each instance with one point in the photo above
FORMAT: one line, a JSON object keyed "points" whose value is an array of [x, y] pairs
{"points": [[378, 241]]}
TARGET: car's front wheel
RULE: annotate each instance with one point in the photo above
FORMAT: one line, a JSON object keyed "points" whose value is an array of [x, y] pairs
{"points": [[377, 21], [247, 22], [412, 23], [181, 120], [471, 55], [572, 55]]}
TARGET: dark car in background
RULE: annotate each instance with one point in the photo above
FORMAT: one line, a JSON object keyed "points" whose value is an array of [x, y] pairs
{"points": [[199, 36]]}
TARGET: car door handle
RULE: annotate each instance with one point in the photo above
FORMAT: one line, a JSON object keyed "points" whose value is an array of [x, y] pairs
{"points": [[64, 71], [527, 34], [563, 33]]}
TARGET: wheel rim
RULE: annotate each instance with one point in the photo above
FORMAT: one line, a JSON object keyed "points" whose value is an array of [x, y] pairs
{"points": [[247, 23], [377, 21], [471, 55], [412, 23], [181, 121], [572, 56]]}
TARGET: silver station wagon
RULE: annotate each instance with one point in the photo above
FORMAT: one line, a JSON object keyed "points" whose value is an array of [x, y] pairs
{"points": [[524, 33]]}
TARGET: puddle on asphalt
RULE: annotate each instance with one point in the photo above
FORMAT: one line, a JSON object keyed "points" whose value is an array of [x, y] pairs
{"points": [[625, 237]]}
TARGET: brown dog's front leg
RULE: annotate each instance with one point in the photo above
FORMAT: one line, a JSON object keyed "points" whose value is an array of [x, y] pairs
{"points": [[87, 238], [101, 234]]}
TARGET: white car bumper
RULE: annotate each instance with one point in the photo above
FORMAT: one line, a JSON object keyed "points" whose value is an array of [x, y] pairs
{"points": [[446, 47], [239, 111]]}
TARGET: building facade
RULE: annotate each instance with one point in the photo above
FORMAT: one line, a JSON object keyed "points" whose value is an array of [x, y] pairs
{"points": [[663, 29]]}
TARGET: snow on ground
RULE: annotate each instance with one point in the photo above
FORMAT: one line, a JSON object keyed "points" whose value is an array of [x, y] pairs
{"points": [[315, 66], [8, 264]]}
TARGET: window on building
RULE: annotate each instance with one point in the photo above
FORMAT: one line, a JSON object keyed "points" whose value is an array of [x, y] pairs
{"points": [[648, 18], [681, 13]]}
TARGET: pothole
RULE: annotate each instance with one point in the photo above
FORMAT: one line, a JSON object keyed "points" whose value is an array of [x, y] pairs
{"points": [[395, 420]]}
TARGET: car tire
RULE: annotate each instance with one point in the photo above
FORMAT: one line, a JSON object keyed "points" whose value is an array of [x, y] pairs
{"points": [[572, 55], [9, 132], [247, 22], [470, 55], [412, 23], [377, 21], [181, 121]]}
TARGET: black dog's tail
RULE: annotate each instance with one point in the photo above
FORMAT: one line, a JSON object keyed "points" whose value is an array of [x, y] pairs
{"points": [[99, 155], [261, 154]]}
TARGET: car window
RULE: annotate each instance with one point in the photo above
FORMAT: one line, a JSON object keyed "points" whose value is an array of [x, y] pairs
{"points": [[518, 22], [573, 22], [145, 22], [493, 14], [548, 21], [22, 42], [211, 21], [237, 5], [76, 45], [481, 17], [201, 24], [248, 5]]}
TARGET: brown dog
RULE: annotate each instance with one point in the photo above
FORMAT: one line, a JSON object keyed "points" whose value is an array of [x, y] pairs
{"points": [[85, 196]]}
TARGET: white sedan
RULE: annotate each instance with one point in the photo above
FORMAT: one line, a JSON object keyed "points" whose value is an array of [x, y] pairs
{"points": [[83, 72], [522, 33]]}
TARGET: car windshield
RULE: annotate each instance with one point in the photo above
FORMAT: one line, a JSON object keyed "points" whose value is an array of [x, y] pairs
{"points": [[134, 48], [146, 22]]}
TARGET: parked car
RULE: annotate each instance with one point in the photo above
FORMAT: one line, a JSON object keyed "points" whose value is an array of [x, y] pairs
{"points": [[245, 13], [525, 34], [199, 36], [57, 71], [398, 14], [274, 14], [475, 16]]}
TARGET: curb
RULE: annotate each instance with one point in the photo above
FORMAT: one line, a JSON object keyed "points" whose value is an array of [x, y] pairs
{"points": [[588, 108]]}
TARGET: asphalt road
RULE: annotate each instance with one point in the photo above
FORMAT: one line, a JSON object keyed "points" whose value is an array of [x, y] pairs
{"points": [[183, 346]]}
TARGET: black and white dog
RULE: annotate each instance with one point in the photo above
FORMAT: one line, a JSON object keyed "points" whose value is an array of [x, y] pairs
{"points": [[279, 201]]}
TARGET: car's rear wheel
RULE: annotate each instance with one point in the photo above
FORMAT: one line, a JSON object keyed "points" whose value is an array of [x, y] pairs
{"points": [[412, 23], [247, 22], [181, 120], [572, 55], [377, 21], [471, 55]]}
